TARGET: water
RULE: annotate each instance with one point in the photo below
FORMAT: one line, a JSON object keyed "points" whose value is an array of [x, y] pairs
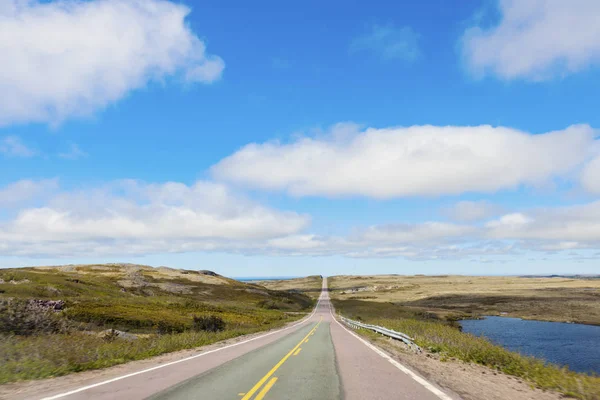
{"points": [[574, 345]]}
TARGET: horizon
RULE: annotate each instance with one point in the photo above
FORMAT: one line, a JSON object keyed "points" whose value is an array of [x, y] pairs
{"points": [[276, 277], [302, 139]]}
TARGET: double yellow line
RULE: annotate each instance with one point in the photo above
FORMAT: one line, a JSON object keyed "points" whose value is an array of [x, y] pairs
{"points": [[262, 381]]}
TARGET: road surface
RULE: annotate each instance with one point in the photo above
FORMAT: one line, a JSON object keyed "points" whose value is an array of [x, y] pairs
{"points": [[317, 358]]}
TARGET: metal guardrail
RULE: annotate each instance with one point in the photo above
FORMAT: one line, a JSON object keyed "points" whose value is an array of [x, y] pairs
{"points": [[384, 331]]}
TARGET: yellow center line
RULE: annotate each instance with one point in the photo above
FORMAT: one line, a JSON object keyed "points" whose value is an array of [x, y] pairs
{"points": [[264, 390], [276, 367], [298, 351]]}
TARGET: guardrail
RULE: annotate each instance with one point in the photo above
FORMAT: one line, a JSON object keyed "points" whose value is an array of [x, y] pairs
{"points": [[384, 331]]}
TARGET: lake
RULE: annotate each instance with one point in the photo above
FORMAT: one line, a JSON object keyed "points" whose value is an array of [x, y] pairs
{"points": [[575, 345]]}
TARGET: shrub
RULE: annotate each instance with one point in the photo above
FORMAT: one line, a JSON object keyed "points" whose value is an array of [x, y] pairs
{"points": [[210, 323], [29, 318], [165, 328], [269, 305]]}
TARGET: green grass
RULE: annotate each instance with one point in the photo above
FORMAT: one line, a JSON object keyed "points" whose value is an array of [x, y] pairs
{"points": [[443, 337], [36, 357], [96, 301]]}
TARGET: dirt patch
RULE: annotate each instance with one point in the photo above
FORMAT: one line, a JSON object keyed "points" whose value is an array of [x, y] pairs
{"points": [[174, 288]]}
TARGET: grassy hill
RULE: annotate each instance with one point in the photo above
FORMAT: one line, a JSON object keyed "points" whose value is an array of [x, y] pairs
{"points": [[57, 320], [309, 285]]}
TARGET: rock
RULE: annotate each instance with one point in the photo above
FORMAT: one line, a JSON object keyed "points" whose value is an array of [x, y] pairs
{"points": [[111, 334], [207, 272], [55, 305]]}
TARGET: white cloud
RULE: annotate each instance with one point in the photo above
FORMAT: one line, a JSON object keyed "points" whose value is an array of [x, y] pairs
{"points": [[546, 230], [135, 218], [131, 217], [430, 231], [570, 224], [590, 178], [469, 211], [23, 192], [72, 57], [12, 146], [536, 39], [74, 152], [389, 42], [414, 161]]}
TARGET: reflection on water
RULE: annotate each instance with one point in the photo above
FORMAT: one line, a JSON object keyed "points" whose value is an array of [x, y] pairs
{"points": [[575, 345]]}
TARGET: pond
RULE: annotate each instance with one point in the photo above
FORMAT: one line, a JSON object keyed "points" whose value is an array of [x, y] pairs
{"points": [[574, 345]]}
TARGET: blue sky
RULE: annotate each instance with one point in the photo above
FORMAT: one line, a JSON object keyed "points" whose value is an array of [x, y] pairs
{"points": [[292, 139]]}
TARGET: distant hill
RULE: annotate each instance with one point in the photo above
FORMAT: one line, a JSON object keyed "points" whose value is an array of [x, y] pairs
{"points": [[576, 276]]}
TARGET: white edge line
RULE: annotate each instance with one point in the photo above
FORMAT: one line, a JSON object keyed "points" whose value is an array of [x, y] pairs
{"points": [[81, 389], [395, 363]]}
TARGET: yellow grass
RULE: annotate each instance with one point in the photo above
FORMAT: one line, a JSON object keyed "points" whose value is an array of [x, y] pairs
{"points": [[551, 299], [310, 285]]}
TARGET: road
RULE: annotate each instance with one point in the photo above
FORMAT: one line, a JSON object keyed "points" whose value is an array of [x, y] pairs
{"points": [[317, 358]]}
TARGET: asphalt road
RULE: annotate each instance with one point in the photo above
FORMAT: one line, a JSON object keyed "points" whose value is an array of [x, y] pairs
{"points": [[317, 358]]}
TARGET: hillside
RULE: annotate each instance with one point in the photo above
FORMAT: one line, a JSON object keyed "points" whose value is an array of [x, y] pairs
{"points": [[309, 285], [121, 312]]}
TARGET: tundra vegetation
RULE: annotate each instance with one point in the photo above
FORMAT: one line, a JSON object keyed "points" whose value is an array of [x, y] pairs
{"points": [[560, 299], [418, 306], [309, 285], [58, 320]]}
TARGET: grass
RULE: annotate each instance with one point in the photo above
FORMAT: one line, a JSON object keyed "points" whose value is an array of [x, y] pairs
{"points": [[310, 285], [44, 356], [443, 337], [454, 297], [157, 305]]}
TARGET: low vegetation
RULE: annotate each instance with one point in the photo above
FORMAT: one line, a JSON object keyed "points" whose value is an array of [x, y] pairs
{"points": [[310, 285], [445, 338], [564, 299], [58, 320]]}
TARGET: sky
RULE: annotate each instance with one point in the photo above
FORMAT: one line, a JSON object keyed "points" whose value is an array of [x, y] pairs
{"points": [[291, 138]]}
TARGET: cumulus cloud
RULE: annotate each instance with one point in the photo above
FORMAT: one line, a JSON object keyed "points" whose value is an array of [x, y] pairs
{"points": [[413, 161], [24, 191], [136, 218], [72, 57], [536, 39], [577, 225], [12, 146], [590, 177], [550, 230], [132, 217], [468, 211], [389, 42], [429, 231]]}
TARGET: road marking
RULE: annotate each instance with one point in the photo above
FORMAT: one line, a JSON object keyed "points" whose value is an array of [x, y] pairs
{"points": [[241, 394], [84, 388], [395, 363], [264, 390], [276, 367], [297, 351]]}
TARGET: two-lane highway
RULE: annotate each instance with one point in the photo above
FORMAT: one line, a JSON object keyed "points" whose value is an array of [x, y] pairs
{"points": [[317, 358], [307, 367]]}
